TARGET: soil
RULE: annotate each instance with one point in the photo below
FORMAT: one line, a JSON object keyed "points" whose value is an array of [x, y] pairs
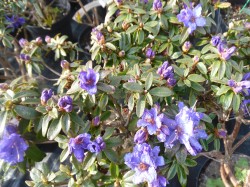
{"points": [[211, 171]]}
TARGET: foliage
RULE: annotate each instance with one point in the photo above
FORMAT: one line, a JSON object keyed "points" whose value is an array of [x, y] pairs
{"points": [[157, 92]]}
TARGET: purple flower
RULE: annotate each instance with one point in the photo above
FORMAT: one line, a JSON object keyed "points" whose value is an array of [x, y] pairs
{"points": [[167, 72], [15, 21], [78, 145], [88, 80], [224, 51], [150, 120], [46, 95], [185, 128], [240, 87], [96, 121], [96, 146], [12, 148], [247, 25], [222, 133], [150, 53], [141, 136], [119, 2], [186, 46], [157, 5], [144, 161], [159, 182], [244, 107], [215, 40], [10, 129], [191, 18], [23, 42], [24, 57], [65, 103]]}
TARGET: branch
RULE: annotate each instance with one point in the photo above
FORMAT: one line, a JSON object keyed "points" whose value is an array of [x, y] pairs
{"points": [[117, 108], [241, 141], [231, 176], [214, 155], [223, 176]]}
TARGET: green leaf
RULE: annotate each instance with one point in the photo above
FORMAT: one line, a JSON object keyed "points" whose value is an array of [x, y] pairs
{"points": [[222, 69], [140, 37], [64, 154], [151, 24], [103, 101], [108, 132], [236, 103], [182, 176], [210, 56], [202, 68], [110, 46], [133, 86], [161, 92], [149, 99], [113, 142], [228, 100], [3, 121], [35, 175], [206, 118], [65, 121], [172, 171], [54, 129], [181, 155], [132, 29], [215, 68], [88, 160], [223, 90], [217, 144], [140, 106], [196, 78], [27, 93], [44, 124], [34, 153], [190, 162], [184, 36], [131, 102], [114, 170], [149, 81], [26, 112], [204, 144], [111, 155]]}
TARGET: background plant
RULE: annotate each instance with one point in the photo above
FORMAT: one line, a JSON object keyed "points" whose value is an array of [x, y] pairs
{"points": [[131, 105]]}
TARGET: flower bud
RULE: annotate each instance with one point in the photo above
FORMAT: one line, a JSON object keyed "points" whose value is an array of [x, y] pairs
{"points": [[150, 53], [96, 121], [65, 64], [109, 29], [222, 133], [247, 25], [121, 53], [141, 136], [47, 39], [23, 42], [4, 86], [125, 25], [39, 40], [196, 59], [186, 46]]}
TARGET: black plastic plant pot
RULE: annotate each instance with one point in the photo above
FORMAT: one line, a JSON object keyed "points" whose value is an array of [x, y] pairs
{"points": [[62, 26]]}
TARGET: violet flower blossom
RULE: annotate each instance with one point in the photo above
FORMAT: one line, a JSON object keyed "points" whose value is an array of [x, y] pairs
{"points": [[159, 182], [186, 46], [150, 53], [240, 87], [15, 22], [224, 51], [88, 80], [46, 95], [65, 103], [185, 129], [150, 120], [79, 145], [96, 146], [23, 42], [215, 40], [166, 71], [191, 18], [144, 161], [141, 136], [157, 5], [12, 146]]}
